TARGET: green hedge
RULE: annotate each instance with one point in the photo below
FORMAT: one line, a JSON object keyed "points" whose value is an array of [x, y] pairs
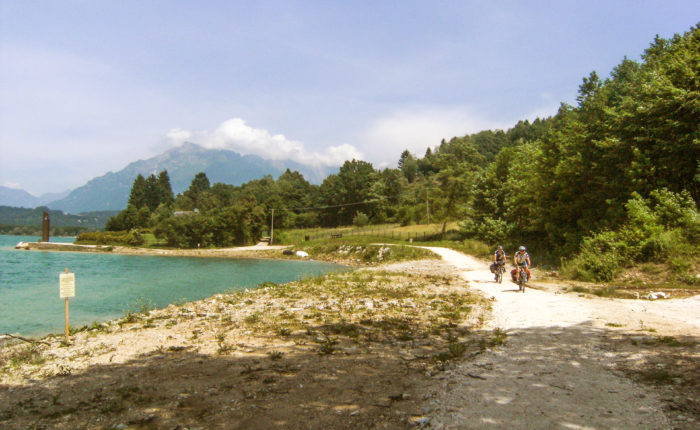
{"points": [[129, 238]]}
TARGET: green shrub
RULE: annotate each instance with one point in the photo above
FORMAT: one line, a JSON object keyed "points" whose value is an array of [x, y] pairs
{"points": [[599, 260], [656, 230], [134, 238], [680, 265], [360, 219], [130, 238]]}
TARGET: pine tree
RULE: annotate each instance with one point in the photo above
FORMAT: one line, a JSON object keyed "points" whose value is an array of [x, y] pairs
{"points": [[164, 190], [139, 191]]}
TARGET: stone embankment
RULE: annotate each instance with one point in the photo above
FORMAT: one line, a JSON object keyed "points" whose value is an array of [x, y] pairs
{"points": [[57, 246]]}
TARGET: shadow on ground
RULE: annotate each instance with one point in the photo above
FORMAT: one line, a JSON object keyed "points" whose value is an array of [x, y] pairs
{"points": [[576, 377], [554, 380]]}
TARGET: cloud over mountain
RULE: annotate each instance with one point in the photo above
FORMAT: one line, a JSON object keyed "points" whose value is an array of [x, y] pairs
{"points": [[235, 135]]}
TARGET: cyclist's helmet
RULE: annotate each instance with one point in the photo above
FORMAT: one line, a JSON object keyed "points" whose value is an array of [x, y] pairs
{"points": [[522, 248], [500, 248]]}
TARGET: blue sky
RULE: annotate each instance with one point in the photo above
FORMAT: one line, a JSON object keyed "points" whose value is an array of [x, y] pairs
{"points": [[88, 86]]}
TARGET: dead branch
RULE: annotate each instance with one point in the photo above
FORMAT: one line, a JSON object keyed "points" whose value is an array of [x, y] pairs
{"points": [[26, 339]]}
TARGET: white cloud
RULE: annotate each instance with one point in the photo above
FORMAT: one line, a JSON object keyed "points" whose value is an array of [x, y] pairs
{"points": [[178, 136], [13, 185], [235, 135], [418, 128]]}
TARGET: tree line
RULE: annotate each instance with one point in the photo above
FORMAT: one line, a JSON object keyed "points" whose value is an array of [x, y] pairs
{"points": [[555, 184]]}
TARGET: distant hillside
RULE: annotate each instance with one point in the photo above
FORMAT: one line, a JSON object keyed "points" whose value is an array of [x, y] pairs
{"points": [[111, 191], [33, 217], [18, 198], [22, 199]]}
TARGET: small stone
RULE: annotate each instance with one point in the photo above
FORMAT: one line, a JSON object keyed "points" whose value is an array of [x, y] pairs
{"points": [[420, 421]]}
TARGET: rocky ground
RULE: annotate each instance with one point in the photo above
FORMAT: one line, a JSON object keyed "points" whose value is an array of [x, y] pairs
{"points": [[574, 361], [423, 344]]}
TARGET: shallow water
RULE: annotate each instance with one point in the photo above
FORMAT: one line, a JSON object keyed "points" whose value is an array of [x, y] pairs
{"points": [[107, 286]]}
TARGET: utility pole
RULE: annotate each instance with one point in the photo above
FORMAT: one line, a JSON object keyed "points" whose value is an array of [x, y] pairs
{"points": [[272, 226]]}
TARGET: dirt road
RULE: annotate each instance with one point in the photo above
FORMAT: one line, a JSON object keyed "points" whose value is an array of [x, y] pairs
{"points": [[560, 366]]}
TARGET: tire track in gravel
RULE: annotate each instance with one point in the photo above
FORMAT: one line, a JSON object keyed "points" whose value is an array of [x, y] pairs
{"points": [[553, 372]]}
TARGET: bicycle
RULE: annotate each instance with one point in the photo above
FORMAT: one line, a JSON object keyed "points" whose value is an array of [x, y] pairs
{"points": [[522, 279], [499, 273]]}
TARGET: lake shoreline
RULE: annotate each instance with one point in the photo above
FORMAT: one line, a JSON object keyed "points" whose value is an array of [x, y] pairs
{"points": [[111, 284], [262, 252], [237, 354]]}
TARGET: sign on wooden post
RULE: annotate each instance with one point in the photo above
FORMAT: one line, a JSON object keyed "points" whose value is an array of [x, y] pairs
{"points": [[66, 282]]}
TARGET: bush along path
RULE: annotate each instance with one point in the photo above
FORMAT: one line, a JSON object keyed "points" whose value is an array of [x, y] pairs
{"points": [[572, 361]]}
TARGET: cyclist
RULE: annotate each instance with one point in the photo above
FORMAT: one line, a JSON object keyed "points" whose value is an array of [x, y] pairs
{"points": [[499, 259], [521, 259]]}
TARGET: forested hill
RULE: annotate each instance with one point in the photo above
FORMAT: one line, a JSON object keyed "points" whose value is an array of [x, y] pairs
{"points": [[34, 217], [631, 134], [111, 191], [615, 177]]}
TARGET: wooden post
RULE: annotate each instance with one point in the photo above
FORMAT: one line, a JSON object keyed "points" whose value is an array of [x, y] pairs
{"points": [[67, 319], [67, 323], [45, 227]]}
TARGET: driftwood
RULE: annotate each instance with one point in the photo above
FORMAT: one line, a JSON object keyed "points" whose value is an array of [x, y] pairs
{"points": [[26, 339]]}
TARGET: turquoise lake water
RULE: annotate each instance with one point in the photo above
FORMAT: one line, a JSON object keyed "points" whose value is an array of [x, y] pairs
{"points": [[107, 286]]}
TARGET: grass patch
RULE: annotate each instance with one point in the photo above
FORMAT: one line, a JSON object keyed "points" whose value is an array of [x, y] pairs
{"points": [[467, 246], [383, 232], [497, 337], [24, 355], [656, 377], [253, 318], [275, 355], [328, 345], [610, 291], [344, 328], [364, 250], [673, 342]]}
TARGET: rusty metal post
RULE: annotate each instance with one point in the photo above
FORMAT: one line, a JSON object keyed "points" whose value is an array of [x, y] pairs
{"points": [[45, 228]]}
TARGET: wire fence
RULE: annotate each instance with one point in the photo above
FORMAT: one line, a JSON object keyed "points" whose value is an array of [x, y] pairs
{"points": [[388, 233]]}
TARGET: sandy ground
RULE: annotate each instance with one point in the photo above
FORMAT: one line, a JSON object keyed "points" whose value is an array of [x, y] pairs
{"points": [[562, 365], [309, 357]]}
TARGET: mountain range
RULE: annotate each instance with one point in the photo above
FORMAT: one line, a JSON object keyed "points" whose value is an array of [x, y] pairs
{"points": [[111, 191], [22, 199]]}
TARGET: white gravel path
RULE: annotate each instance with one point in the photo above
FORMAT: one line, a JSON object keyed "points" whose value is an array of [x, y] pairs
{"points": [[553, 372]]}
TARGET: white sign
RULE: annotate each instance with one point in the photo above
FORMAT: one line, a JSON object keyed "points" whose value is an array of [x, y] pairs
{"points": [[67, 285]]}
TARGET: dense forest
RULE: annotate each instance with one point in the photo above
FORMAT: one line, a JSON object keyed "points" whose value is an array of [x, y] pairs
{"points": [[610, 181]]}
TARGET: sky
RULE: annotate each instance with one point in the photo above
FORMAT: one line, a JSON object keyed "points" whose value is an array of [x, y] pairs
{"points": [[88, 86]]}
